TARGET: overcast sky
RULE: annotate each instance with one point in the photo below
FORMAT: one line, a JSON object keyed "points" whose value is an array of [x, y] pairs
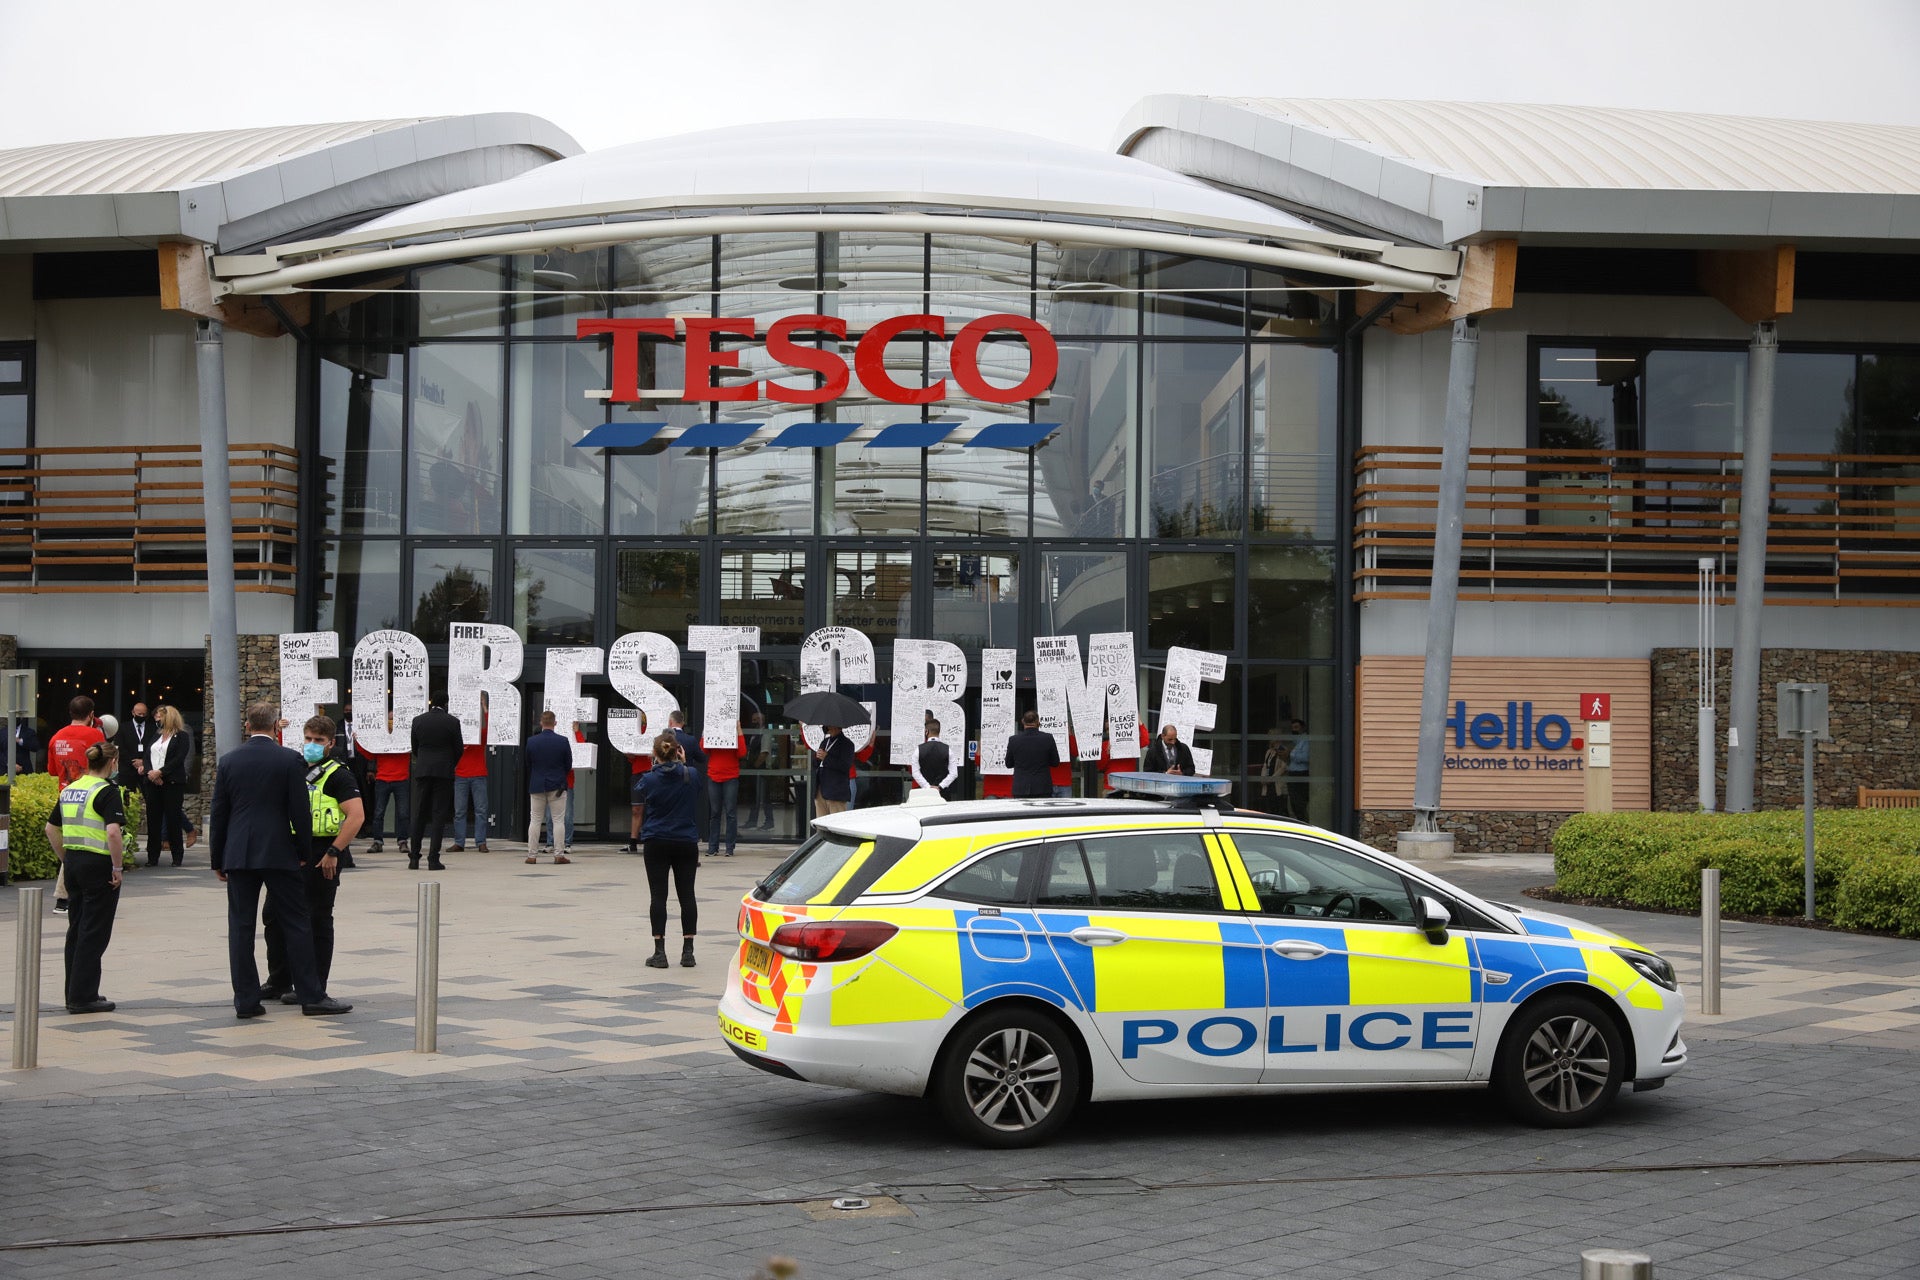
{"points": [[612, 71]]}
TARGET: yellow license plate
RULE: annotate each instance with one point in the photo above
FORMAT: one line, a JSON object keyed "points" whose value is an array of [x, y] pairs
{"points": [[746, 1037], [759, 958]]}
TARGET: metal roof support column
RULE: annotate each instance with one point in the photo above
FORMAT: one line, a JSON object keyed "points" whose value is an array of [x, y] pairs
{"points": [[1750, 582], [1444, 593], [216, 482]]}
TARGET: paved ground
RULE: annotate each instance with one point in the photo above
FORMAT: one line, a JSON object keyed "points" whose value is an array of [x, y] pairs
{"points": [[582, 1121]]}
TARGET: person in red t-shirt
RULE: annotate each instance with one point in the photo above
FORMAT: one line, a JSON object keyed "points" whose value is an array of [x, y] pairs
{"points": [[67, 749], [470, 793], [1125, 764], [1061, 775], [723, 792], [391, 773]]}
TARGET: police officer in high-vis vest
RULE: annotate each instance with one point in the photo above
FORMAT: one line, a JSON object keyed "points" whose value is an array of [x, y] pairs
{"points": [[334, 799], [87, 841]]}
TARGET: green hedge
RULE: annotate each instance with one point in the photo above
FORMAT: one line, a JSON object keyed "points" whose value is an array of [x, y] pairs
{"points": [[34, 796], [1866, 863]]}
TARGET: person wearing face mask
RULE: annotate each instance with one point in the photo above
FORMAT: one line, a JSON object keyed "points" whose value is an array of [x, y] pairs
{"points": [[333, 797]]}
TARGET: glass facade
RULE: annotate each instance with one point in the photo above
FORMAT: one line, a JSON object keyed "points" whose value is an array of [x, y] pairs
{"points": [[1189, 494]]}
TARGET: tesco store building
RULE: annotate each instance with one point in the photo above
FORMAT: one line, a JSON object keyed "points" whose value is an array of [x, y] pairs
{"points": [[921, 383], [927, 382]]}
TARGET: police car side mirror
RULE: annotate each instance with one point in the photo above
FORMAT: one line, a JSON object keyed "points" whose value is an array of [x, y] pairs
{"points": [[1432, 919]]}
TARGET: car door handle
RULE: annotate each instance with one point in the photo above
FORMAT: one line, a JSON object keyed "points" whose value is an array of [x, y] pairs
{"points": [[1293, 949], [1093, 937]]}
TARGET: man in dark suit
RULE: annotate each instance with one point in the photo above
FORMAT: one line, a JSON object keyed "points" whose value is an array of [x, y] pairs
{"points": [[135, 740], [259, 822], [1032, 755], [1168, 754], [832, 773], [436, 751]]}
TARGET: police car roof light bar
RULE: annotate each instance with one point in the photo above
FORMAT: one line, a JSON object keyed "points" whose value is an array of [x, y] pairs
{"points": [[1174, 787]]}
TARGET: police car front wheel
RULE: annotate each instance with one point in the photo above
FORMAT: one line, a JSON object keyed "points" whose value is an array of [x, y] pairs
{"points": [[1010, 1078], [1561, 1063]]}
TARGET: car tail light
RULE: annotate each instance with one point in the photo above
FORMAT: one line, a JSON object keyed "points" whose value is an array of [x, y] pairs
{"points": [[816, 942]]}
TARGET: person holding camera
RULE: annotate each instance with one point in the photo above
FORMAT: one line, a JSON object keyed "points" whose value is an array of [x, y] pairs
{"points": [[670, 842]]}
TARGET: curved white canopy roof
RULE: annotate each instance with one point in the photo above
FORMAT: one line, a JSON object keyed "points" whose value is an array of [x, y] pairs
{"points": [[859, 176], [822, 162]]}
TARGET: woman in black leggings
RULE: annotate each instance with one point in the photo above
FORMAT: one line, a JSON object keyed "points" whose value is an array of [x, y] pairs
{"points": [[671, 843]]}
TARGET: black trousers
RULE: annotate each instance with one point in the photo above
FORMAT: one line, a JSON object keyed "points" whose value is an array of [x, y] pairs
{"points": [[92, 902], [432, 812], [287, 899], [321, 893], [681, 859], [166, 819]]}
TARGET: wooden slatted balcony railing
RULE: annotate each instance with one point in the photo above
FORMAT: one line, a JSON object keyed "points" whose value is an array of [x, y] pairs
{"points": [[119, 518], [1632, 525]]}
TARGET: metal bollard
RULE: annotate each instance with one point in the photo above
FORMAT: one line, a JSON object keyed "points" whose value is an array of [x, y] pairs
{"points": [[426, 972], [1710, 940], [26, 982], [1615, 1264]]}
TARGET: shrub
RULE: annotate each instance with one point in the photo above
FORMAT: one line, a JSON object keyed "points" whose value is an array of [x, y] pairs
{"points": [[1866, 862], [1880, 893], [34, 798]]}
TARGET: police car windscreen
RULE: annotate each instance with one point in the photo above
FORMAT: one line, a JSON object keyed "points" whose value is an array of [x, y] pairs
{"points": [[811, 868]]}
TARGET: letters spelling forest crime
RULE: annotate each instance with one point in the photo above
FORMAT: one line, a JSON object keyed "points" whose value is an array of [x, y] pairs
{"points": [[390, 669]]}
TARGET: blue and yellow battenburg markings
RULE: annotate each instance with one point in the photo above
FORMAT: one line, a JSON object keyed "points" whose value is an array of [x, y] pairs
{"points": [[1373, 990]]}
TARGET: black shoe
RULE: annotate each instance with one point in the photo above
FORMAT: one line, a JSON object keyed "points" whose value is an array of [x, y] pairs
{"points": [[630, 847], [92, 1006], [291, 997], [59, 906], [329, 1005], [153, 862], [378, 846], [658, 960], [251, 1011], [413, 864], [178, 863], [686, 955], [436, 866], [270, 993]]}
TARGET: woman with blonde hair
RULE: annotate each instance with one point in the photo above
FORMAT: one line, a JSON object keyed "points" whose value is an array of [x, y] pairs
{"points": [[167, 771], [671, 843]]}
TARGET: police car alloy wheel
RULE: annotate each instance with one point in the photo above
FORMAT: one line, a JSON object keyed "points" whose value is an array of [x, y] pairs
{"points": [[1561, 1063], [1009, 1079]]}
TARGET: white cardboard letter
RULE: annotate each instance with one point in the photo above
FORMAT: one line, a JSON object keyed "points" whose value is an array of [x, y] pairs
{"points": [[997, 667], [855, 652], [723, 647], [1180, 704], [634, 654], [928, 676], [470, 674], [565, 666], [385, 708], [302, 692], [1083, 702]]}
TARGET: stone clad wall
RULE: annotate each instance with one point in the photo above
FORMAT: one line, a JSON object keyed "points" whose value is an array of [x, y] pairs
{"points": [[1873, 703], [259, 681], [1473, 832]]}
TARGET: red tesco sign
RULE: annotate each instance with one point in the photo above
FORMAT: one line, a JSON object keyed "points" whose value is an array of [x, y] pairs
{"points": [[783, 344], [1596, 706]]}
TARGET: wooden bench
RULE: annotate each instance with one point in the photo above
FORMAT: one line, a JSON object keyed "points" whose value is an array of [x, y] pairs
{"points": [[1888, 798]]}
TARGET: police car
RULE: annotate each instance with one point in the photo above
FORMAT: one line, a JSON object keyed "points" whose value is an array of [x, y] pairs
{"points": [[1011, 959]]}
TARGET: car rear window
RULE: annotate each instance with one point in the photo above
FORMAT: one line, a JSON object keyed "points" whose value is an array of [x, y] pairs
{"points": [[810, 869]]}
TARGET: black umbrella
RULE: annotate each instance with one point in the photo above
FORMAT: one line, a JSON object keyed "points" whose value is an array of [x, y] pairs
{"points": [[826, 707]]}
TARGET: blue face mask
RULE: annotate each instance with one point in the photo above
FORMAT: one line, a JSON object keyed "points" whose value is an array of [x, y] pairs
{"points": [[313, 751]]}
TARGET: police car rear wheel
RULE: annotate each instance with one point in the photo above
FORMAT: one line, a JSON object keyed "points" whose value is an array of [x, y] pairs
{"points": [[1560, 1064], [1010, 1079]]}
